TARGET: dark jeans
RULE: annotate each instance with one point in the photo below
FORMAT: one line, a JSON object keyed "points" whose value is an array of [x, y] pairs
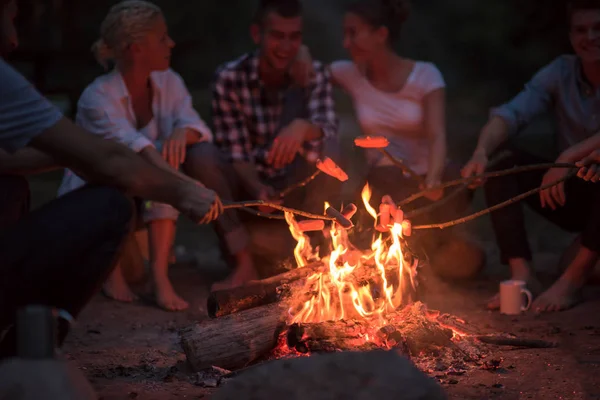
{"points": [[60, 254], [581, 213]]}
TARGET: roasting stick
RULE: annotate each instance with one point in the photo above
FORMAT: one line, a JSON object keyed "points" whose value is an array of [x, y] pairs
{"points": [[464, 185], [331, 213], [493, 174], [497, 206]]}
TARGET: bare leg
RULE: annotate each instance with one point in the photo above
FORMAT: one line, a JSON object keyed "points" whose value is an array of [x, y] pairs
{"points": [[565, 292], [244, 272], [161, 234], [520, 271], [116, 287]]}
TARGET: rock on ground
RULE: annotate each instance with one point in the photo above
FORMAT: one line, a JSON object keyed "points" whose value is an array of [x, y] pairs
{"points": [[376, 375]]}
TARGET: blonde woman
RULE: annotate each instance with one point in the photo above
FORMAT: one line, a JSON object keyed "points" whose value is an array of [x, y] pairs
{"points": [[144, 105]]}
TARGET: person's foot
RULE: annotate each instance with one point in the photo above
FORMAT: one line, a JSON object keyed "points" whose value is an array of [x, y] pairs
{"points": [[531, 284], [243, 273], [562, 295], [116, 288], [167, 299]]}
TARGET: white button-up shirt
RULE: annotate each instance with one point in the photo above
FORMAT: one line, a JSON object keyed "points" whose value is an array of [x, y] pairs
{"points": [[105, 109]]}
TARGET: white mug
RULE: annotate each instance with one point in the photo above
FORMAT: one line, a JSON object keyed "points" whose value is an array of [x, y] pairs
{"points": [[511, 297]]}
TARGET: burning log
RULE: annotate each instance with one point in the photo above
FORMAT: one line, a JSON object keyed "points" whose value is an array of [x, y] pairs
{"points": [[332, 336], [235, 340], [255, 293], [409, 331]]}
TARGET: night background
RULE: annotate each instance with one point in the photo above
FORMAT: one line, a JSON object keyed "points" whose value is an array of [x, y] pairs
{"points": [[486, 50]]}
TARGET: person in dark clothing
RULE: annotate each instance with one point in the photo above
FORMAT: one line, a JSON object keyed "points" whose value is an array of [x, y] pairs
{"points": [[60, 254], [570, 88]]}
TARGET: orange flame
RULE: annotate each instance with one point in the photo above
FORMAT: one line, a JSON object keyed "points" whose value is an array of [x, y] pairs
{"points": [[358, 284]]}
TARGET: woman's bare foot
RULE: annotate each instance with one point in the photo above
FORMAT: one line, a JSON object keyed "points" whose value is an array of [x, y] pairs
{"points": [[562, 295], [116, 288], [167, 299]]}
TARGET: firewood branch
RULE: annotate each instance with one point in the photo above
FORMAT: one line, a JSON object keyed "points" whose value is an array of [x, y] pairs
{"points": [[260, 203], [497, 206]]}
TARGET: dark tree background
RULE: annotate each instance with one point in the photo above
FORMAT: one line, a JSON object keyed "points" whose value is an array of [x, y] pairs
{"points": [[485, 49]]}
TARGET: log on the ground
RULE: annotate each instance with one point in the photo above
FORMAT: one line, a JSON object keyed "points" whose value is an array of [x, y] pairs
{"points": [[255, 294], [235, 340]]}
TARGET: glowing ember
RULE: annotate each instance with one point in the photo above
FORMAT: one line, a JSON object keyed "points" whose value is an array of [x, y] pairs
{"points": [[359, 284]]}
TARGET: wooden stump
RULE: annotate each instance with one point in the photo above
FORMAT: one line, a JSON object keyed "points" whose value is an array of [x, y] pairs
{"points": [[256, 293], [233, 341]]}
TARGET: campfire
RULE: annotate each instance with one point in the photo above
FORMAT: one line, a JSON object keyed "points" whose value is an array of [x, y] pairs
{"points": [[356, 284], [349, 300]]}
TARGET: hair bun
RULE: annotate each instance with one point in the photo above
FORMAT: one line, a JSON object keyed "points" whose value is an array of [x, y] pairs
{"points": [[399, 9]]}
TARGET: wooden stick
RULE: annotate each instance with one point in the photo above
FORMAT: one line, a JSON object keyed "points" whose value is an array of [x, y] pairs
{"points": [[437, 204], [402, 166], [300, 184], [493, 174], [260, 203], [463, 186], [263, 215], [495, 207]]}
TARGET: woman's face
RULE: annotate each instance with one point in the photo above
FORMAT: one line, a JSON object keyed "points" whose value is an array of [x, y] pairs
{"points": [[362, 40], [154, 50]]}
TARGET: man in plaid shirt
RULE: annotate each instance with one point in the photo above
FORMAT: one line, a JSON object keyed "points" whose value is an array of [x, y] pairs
{"points": [[269, 132]]}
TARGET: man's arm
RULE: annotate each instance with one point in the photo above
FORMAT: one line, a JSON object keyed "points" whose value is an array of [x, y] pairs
{"points": [[231, 134], [27, 161], [321, 122], [531, 102], [106, 162], [28, 119], [509, 118], [580, 150]]}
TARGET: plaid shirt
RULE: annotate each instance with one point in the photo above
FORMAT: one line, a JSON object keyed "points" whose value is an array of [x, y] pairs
{"points": [[246, 117]]}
